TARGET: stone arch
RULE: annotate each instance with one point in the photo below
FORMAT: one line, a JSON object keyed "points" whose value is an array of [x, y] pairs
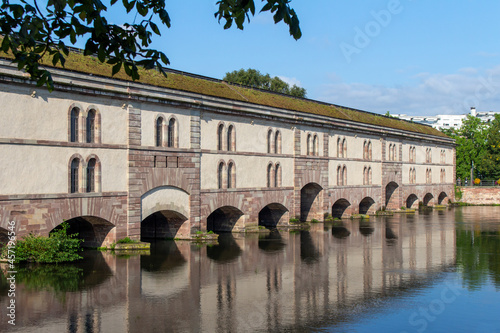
{"points": [[92, 230], [412, 201], [272, 215], [442, 198], [427, 199], [392, 196], [224, 219], [4, 237], [164, 211], [310, 202], [365, 205], [339, 208]]}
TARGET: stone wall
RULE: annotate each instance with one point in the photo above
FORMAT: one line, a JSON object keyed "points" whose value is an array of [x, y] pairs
{"points": [[480, 195]]}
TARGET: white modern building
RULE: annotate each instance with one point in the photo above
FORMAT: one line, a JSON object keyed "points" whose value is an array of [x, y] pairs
{"points": [[446, 121]]}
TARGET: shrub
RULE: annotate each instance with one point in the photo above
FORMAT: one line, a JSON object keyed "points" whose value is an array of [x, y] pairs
{"points": [[294, 220], [58, 247], [126, 240]]}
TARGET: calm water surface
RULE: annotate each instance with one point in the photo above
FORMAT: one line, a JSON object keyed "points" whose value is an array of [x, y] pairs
{"points": [[436, 271]]}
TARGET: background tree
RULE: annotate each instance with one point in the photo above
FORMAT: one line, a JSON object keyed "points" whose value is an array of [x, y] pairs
{"points": [[34, 30], [490, 164], [470, 141], [253, 78]]}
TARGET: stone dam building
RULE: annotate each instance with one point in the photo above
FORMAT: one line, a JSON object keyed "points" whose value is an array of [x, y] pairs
{"points": [[167, 157]]}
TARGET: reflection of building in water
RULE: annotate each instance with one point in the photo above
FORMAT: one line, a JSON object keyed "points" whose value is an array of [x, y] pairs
{"points": [[317, 278]]}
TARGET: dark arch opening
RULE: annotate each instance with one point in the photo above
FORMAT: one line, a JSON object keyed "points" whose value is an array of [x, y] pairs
{"points": [[442, 197], [310, 203], [4, 237], [428, 197], [391, 194], [365, 205], [162, 225], [226, 250], [223, 219], [92, 230], [270, 215], [365, 228], [339, 208], [411, 200]]}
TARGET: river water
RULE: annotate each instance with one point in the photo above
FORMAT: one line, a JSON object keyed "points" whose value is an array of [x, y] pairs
{"points": [[434, 271]]}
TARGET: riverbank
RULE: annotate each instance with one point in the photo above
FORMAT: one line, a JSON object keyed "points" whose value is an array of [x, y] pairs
{"points": [[478, 196]]}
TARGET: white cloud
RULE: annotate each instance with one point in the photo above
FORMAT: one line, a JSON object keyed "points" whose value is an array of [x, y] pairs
{"points": [[290, 80], [432, 94]]}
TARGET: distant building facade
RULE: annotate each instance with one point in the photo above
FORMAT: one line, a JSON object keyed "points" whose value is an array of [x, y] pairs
{"points": [[447, 121]]}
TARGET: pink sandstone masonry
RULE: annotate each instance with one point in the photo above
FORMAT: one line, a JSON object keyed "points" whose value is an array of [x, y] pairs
{"points": [[480, 195]]}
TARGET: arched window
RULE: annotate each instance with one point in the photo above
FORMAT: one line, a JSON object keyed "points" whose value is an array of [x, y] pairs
{"points": [[344, 148], [231, 175], [91, 126], [220, 175], [269, 141], [315, 146], [277, 142], [365, 150], [75, 114], [75, 175], [369, 150], [339, 176], [365, 176], [370, 176], [269, 175], [220, 140], [309, 144], [344, 175], [91, 175], [340, 150], [277, 175], [172, 135], [231, 138], [159, 132]]}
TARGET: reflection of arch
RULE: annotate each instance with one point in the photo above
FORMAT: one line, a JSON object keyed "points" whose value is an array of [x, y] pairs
{"points": [[427, 199], [272, 242], [270, 215], [340, 231], [411, 200], [226, 250], [365, 204], [4, 238], [164, 257], [91, 229], [442, 197], [310, 202], [365, 228], [308, 252], [223, 219], [339, 208], [391, 195]]}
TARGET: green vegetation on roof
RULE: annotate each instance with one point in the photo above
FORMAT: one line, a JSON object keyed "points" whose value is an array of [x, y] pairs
{"points": [[90, 65]]}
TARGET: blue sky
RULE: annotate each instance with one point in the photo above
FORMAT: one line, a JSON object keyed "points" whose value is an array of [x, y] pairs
{"points": [[416, 57]]}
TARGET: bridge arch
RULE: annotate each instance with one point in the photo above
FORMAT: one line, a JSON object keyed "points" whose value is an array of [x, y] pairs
{"points": [[412, 201], [365, 205], [428, 199], [339, 207], [392, 196], [164, 211], [224, 219], [272, 215], [4, 238], [310, 202], [442, 198], [92, 230]]}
